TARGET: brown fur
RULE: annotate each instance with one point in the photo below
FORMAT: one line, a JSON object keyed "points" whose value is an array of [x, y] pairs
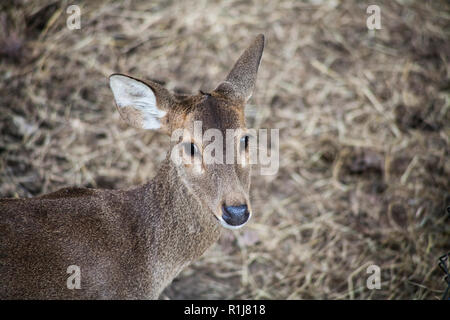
{"points": [[128, 244]]}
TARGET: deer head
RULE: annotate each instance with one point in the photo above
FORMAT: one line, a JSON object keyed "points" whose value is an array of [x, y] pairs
{"points": [[220, 186]]}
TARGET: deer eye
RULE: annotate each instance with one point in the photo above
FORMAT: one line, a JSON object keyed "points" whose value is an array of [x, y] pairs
{"points": [[244, 143], [191, 149]]}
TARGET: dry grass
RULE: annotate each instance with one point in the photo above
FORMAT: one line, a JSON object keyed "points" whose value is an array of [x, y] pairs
{"points": [[364, 131]]}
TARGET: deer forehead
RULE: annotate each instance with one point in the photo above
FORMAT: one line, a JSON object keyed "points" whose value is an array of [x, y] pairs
{"points": [[213, 113]]}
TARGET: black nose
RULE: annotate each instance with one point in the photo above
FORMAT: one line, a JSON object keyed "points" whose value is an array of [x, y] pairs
{"points": [[235, 216]]}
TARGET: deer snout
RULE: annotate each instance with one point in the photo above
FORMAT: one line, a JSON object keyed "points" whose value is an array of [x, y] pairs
{"points": [[235, 216]]}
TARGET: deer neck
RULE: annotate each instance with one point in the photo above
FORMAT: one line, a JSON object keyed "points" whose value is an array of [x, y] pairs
{"points": [[173, 214]]}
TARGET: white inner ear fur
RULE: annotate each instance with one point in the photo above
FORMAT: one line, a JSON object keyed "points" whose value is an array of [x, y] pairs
{"points": [[132, 93]]}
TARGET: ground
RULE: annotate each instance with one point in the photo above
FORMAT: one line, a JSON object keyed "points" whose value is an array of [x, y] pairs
{"points": [[363, 117]]}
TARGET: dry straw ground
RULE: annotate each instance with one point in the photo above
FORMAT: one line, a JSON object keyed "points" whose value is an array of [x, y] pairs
{"points": [[363, 118]]}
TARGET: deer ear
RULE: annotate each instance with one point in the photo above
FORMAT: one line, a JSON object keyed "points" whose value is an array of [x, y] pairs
{"points": [[141, 104], [241, 80]]}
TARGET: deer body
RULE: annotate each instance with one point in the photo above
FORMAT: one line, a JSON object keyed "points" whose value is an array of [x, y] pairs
{"points": [[130, 244], [126, 243]]}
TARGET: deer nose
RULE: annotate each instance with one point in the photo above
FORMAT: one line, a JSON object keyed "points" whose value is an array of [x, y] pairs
{"points": [[235, 215]]}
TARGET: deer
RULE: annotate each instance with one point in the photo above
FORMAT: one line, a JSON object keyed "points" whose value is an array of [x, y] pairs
{"points": [[131, 244]]}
